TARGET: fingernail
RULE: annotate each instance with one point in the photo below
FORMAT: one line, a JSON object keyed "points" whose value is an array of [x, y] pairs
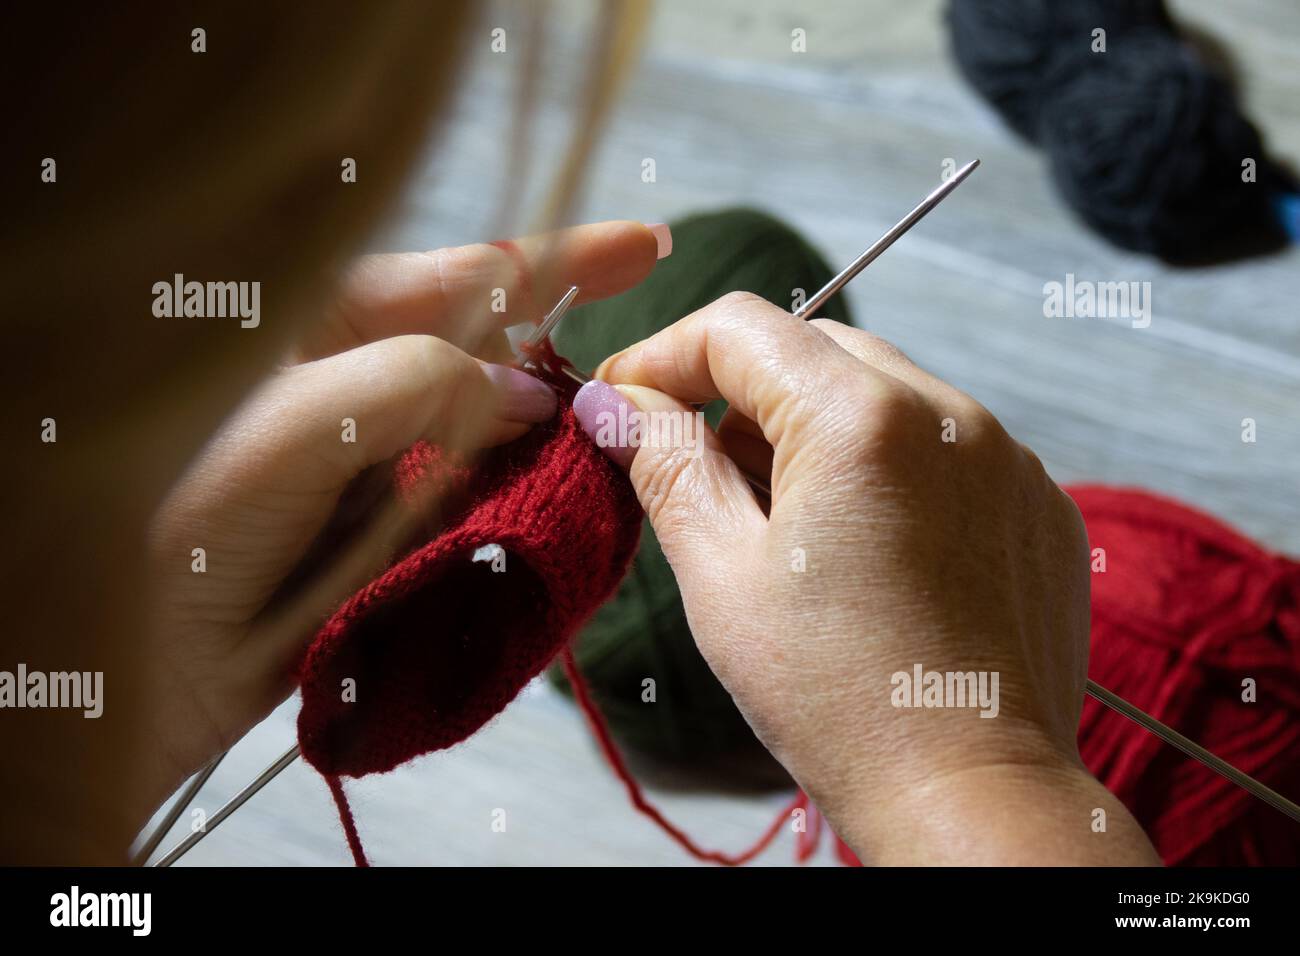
{"points": [[523, 398], [605, 415], [663, 236]]}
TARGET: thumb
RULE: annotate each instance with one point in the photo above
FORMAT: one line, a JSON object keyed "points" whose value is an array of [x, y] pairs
{"points": [[695, 496], [269, 482]]}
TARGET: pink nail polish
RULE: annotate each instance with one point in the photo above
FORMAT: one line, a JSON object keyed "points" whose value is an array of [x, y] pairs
{"points": [[523, 398], [604, 415], [663, 236]]}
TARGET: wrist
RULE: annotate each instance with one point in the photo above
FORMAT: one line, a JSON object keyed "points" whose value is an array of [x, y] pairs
{"points": [[1046, 812]]}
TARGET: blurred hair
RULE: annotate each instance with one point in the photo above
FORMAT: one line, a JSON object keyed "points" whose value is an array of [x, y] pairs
{"points": [[221, 165]]}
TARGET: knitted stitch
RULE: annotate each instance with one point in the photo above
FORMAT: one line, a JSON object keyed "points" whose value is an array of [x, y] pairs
{"points": [[439, 644]]}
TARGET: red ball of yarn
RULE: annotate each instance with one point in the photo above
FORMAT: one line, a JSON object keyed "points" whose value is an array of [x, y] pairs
{"points": [[1186, 610]]}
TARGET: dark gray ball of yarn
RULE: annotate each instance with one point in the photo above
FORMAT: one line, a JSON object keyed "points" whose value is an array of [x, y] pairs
{"points": [[1145, 142], [1014, 52], [1147, 146], [642, 632]]}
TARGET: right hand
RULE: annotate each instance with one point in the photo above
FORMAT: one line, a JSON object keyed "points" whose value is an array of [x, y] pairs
{"points": [[958, 555]]}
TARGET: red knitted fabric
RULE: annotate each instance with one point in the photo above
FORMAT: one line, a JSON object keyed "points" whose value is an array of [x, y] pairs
{"points": [[439, 644], [1185, 611]]}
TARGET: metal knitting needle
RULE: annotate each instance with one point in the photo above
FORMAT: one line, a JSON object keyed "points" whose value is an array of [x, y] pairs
{"points": [[237, 801], [561, 308], [541, 332], [548, 324], [552, 320], [873, 252], [1106, 697], [1194, 750], [182, 802], [538, 335], [939, 194]]}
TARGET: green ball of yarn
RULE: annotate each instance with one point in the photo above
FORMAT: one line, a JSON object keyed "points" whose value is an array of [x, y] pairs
{"points": [[642, 633]]}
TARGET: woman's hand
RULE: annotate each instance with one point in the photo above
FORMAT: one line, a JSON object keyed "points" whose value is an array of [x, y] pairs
{"points": [[906, 530], [406, 355]]}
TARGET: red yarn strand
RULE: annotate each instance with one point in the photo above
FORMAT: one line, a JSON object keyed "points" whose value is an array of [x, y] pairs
{"points": [[346, 818], [615, 760]]}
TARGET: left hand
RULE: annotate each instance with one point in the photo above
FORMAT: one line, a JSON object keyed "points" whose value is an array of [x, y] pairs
{"points": [[396, 358]]}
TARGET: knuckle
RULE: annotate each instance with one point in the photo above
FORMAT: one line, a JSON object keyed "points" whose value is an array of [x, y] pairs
{"points": [[440, 267], [739, 300], [885, 353], [894, 409], [1071, 520], [750, 315], [978, 430], [1034, 464], [739, 313], [429, 359], [445, 375], [865, 346], [838, 336], [890, 420]]}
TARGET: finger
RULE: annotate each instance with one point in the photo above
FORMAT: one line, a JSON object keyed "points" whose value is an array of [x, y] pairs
{"points": [[468, 294], [387, 395], [786, 376], [886, 357], [279, 467], [694, 495], [746, 445]]}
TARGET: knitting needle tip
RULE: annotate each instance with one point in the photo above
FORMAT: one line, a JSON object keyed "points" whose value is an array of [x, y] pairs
{"points": [[235, 802], [873, 252], [548, 324]]}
